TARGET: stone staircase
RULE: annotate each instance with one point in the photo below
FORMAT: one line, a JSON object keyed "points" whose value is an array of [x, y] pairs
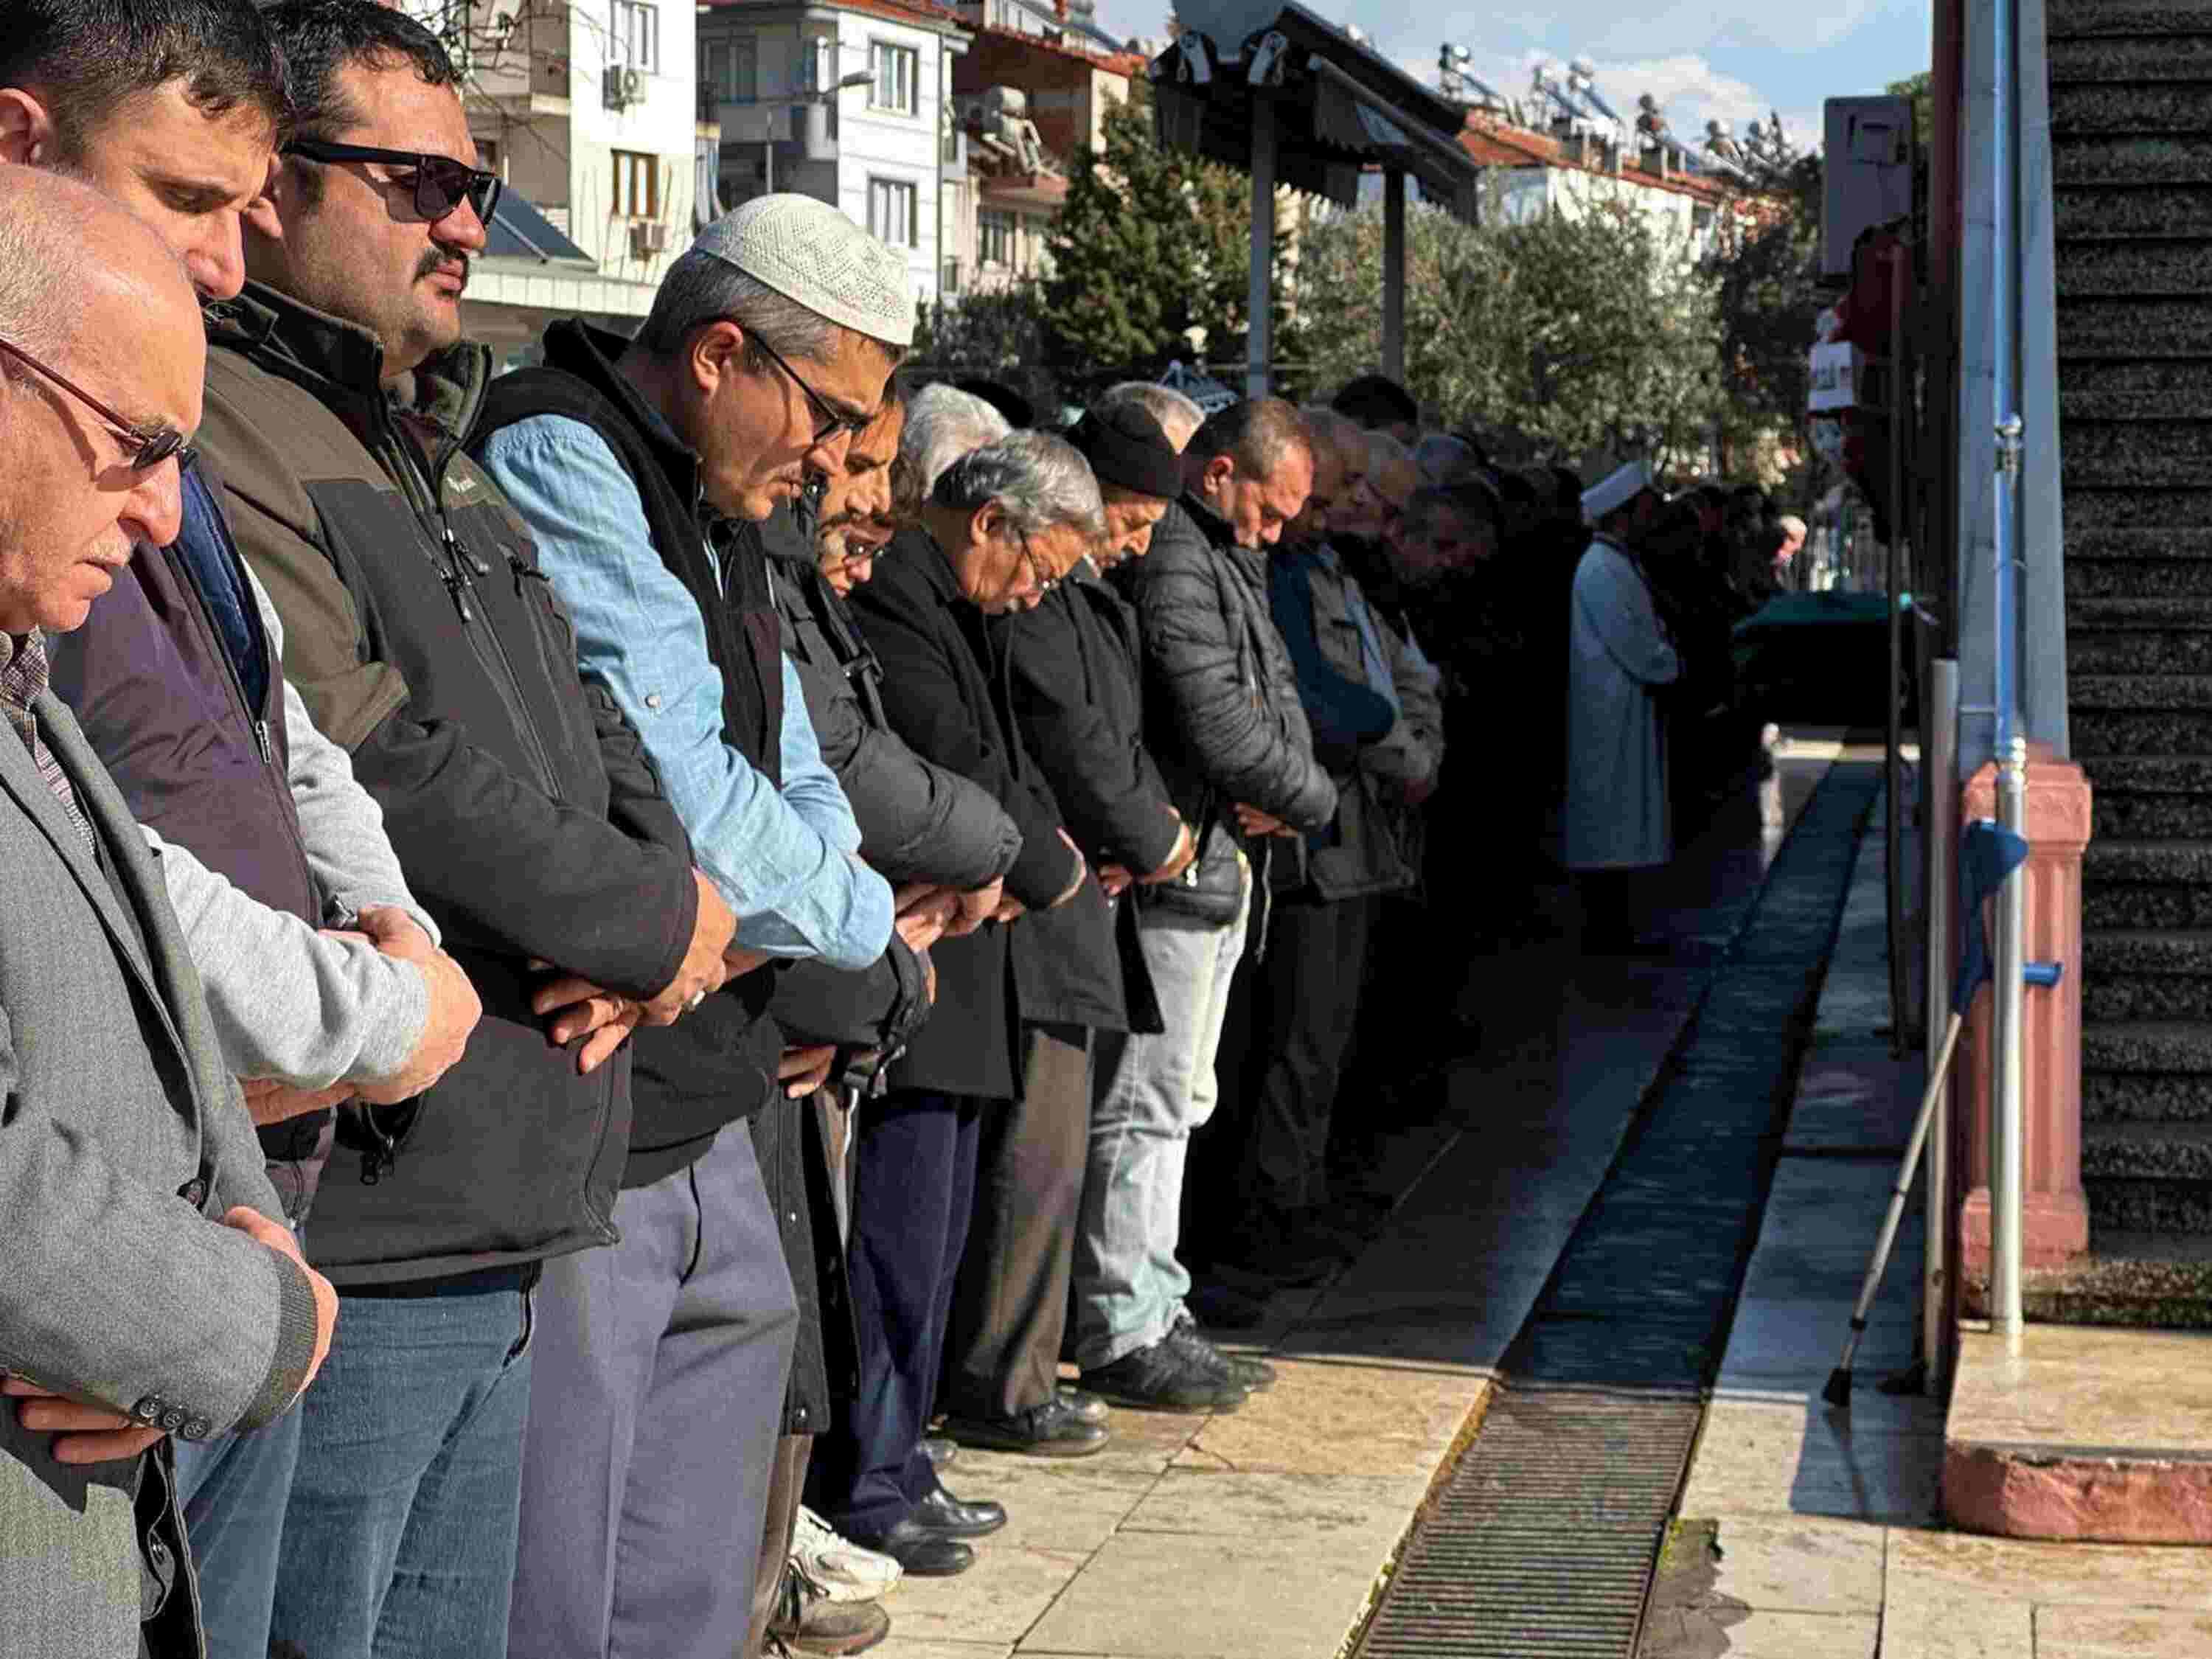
{"points": [[2131, 141]]}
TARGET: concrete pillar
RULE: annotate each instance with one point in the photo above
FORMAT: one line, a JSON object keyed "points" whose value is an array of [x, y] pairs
{"points": [[2055, 1222]]}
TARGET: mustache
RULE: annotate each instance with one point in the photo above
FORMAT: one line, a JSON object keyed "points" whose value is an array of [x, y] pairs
{"points": [[439, 262]]}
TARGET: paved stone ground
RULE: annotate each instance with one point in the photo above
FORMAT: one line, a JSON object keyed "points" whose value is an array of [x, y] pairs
{"points": [[1818, 1533], [1262, 1535]]}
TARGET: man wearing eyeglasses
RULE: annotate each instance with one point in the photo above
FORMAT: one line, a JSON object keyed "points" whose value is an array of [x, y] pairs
{"points": [[149, 1291], [769, 344], [273, 855], [420, 630]]}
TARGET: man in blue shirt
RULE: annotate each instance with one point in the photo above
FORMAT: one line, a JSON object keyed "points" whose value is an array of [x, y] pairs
{"points": [[662, 1361]]}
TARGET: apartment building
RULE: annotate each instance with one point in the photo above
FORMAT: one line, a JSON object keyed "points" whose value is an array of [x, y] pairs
{"points": [[588, 110], [850, 102]]}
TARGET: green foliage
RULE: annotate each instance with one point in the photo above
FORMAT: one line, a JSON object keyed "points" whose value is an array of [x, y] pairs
{"points": [[1921, 89], [1152, 244], [1578, 332], [1766, 294], [998, 332]]}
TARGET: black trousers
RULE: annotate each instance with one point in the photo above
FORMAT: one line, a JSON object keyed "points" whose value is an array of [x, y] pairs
{"points": [[1010, 1306], [1306, 1002], [913, 1189]]}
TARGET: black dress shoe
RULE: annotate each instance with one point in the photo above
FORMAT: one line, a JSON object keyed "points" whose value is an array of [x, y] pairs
{"points": [[1052, 1429], [946, 1516], [1163, 1378], [923, 1554], [1250, 1374], [1088, 1407], [938, 1450]]}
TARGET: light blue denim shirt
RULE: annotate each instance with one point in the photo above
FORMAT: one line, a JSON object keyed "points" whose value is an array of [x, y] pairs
{"points": [[787, 861]]}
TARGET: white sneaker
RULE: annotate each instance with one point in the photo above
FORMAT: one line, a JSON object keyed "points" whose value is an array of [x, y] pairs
{"points": [[839, 1568]]}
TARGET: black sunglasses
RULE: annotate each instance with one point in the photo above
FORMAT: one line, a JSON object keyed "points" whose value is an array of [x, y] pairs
{"points": [[441, 184], [146, 446], [828, 418]]}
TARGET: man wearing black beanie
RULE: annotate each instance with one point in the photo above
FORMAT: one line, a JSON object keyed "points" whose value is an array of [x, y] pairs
{"points": [[1071, 667]]}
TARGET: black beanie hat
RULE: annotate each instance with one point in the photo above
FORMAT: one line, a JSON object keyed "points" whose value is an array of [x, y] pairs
{"points": [[1126, 448]]}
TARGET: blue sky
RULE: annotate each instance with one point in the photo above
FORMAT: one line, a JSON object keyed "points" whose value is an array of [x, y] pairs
{"points": [[1703, 59]]}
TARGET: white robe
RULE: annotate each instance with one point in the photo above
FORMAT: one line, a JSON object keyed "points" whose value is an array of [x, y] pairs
{"points": [[1617, 655]]}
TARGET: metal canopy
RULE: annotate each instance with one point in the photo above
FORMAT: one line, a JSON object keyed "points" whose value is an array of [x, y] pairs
{"points": [[1269, 88], [1339, 107]]}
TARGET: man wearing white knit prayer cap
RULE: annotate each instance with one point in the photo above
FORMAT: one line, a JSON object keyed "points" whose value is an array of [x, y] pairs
{"points": [[659, 1402], [1619, 656]]}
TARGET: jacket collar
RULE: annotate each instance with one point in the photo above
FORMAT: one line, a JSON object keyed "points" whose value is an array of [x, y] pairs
{"points": [[591, 353], [1211, 524], [930, 562], [342, 363]]}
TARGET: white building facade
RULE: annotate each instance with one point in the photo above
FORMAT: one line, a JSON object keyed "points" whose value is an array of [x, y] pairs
{"points": [[772, 75], [588, 111]]}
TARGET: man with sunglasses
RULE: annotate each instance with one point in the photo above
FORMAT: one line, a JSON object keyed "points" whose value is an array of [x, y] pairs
{"points": [[172, 108], [769, 344], [421, 632]]}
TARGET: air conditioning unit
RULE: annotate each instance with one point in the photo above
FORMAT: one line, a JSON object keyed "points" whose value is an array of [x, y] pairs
{"points": [[647, 238], [622, 86]]}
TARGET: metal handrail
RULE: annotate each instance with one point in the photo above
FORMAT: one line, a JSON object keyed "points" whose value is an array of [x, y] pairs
{"points": [[2008, 1138]]}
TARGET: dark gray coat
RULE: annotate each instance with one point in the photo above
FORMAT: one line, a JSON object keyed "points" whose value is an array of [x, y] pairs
{"points": [[919, 822], [1223, 717]]}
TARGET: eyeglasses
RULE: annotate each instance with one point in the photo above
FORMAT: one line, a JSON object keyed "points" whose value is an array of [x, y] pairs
{"points": [[147, 448], [441, 184], [1044, 584], [831, 419]]}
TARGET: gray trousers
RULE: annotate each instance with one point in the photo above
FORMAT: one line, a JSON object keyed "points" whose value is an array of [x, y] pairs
{"points": [[1010, 1305], [654, 1411]]}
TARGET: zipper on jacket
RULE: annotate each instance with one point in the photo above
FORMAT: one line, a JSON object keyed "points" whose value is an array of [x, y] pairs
{"points": [[431, 506]]}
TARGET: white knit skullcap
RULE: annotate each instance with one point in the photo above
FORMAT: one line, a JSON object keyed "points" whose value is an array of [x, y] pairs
{"points": [[809, 251], [1618, 489]]}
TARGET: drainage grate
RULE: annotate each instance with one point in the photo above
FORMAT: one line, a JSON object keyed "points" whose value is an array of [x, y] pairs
{"points": [[1542, 1543]]}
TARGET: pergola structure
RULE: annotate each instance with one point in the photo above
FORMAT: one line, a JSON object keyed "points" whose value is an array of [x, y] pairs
{"points": [[1274, 91]]}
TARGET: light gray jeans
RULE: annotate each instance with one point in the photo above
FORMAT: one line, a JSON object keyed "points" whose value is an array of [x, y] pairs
{"points": [[1149, 1093]]}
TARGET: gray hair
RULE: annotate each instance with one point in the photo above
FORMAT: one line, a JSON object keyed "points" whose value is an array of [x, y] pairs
{"points": [[42, 289], [943, 423], [1178, 417], [702, 287], [1038, 480]]}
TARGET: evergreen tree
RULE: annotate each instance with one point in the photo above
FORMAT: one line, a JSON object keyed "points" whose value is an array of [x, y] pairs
{"points": [[1152, 244]]}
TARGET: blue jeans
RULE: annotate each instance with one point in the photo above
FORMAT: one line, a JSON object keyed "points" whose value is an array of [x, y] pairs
{"points": [[400, 1540], [912, 1196], [1151, 1091], [235, 1491]]}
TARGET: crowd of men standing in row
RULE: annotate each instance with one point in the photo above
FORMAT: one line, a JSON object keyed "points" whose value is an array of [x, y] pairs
{"points": [[717, 899]]}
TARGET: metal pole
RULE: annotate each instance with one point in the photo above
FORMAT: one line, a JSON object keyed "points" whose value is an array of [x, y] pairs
{"points": [[1940, 758], [1260, 295], [1393, 273], [2007, 1140], [768, 168], [1893, 756]]}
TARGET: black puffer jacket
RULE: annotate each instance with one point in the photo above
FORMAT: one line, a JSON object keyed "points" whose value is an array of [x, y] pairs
{"points": [[919, 822], [1222, 713], [423, 636]]}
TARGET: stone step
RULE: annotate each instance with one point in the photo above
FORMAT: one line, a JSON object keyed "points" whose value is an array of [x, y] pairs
{"points": [[2138, 524], [2173, 581], [2147, 732], [2105, 212], [2107, 109], [2108, 389], [2146, 1280], [2147, 1151], [2092, 649], [2133, 160], [2132, 329], [2135, 693], [2141, 975], [2171, 1207], [2120, 60], [2093, 20], [2136, 613], [2144, 269], [2129, 907], [2177, 864], [2145, 775], [2148, 1048], [2153, 819], [2138, 455], [2145, 1097]]}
